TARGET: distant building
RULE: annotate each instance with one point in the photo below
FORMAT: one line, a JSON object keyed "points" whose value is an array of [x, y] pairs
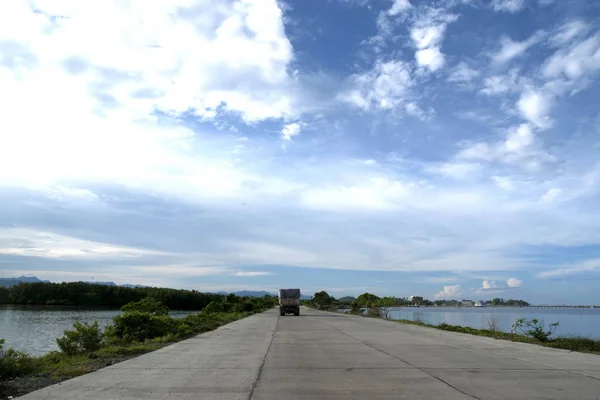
{"points": [[468, 303]]}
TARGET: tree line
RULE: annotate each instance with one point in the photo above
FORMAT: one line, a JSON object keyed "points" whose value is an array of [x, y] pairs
{"points": [[94, 295], [324, 300]]}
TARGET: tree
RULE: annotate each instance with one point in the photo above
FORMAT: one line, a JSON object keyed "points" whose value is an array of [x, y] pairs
{"points": [[367, 300], [322, 298], [417, 300], [497, 302], [148, 305], [386, 303]]}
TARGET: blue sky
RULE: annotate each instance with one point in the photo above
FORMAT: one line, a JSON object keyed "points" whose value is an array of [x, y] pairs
{"points": [[449, 148]]}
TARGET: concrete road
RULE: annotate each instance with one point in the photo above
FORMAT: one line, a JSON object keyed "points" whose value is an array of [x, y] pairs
{"points": [[322, 355]]}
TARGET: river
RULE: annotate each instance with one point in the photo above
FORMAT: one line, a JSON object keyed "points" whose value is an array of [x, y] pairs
{"points": [[572, 321], [34, 329]]}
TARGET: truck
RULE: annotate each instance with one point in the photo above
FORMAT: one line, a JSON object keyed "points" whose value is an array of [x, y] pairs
{"points": [[289, 301]]}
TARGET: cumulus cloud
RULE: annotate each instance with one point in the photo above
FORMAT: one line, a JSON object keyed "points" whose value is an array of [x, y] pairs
{"points": [[399, 6], [510, 49], [432, 58], [535, 105], [514, 282], [520, 148], [427, 34], [385, 87], [449, 292], [492, 286], [290, 130], [119, 94]]}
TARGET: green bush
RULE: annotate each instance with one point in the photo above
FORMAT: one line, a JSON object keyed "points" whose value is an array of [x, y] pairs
{"points": [[534, 328], [213, 307], [246, 306], [147, 305], [85, 338], [14, 363], [138, 326]]}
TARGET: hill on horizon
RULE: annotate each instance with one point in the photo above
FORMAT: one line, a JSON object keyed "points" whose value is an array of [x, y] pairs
{"points": [[9, 282]]}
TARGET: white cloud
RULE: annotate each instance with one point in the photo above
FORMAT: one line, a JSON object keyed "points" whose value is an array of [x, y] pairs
{"points": [[385, 87], [519, 139], [510, 49], [432, 58], [512, 6], [399, 6], [576, 61], [252, 273], [427, 34], [290, 130], [520, 148], [489, 285], [492, 286], [551, 195], [463, 73], [534, 105], [458, 170], [568, 31], [377, 193], [504, 182], [514, 282], [586, 266], [33, 243], [414, 110], [501, 84], [102, 93], [449, 292]]}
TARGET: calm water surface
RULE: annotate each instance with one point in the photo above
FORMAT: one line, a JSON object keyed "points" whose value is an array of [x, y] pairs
{"points": [[35, 329], [573, 321]]}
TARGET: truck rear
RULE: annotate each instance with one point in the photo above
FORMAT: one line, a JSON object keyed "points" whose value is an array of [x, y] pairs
{"points": [[289, 301]]}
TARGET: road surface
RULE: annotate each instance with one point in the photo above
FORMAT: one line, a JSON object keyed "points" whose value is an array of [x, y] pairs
{"points": [[321, 355]]}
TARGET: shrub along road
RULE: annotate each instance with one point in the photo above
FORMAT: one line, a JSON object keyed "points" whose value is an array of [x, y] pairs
{"points": [[325, 356]]}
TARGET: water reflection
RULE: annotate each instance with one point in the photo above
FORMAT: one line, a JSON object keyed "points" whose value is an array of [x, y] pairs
{"points": [[34, 329]]}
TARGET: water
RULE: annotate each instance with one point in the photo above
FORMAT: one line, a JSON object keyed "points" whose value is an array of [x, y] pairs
{"points": [[34, 329], [573, 321]]}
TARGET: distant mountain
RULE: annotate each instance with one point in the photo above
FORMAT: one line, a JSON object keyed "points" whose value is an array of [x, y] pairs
{"points": [[347, 299], [8, 282], [128, 285]]}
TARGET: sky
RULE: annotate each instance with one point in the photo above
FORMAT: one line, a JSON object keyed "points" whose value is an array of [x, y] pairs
{"points": [[444, 148]]}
